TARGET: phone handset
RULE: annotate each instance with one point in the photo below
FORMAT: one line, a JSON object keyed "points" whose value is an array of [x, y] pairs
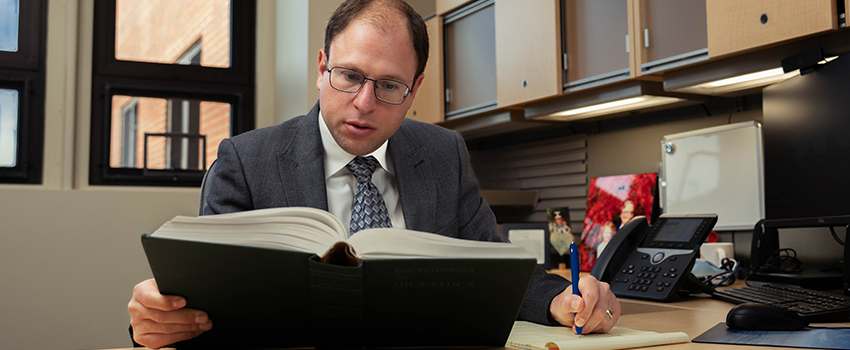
{"points": [[621, 245]]}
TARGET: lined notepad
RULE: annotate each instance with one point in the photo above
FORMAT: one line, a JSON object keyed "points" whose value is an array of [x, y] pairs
{"points": [[527, 335]]}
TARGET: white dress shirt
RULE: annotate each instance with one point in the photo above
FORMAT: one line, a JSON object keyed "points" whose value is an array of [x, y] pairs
{"points": [[341, 183]]}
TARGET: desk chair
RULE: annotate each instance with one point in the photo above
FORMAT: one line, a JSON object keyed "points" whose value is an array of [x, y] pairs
{"points": [[205, 188]]}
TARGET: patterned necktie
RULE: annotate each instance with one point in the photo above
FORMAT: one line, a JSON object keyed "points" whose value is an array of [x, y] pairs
{"points": [[368, 209]]}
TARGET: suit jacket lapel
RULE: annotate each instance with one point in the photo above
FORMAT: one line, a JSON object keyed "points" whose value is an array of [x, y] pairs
{"points": [[416, 187], [301, 161]]}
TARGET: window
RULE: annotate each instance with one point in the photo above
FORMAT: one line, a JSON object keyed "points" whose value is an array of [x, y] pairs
{"points": [[128, 134], [171, 79], [9, 25], [22, 30]]}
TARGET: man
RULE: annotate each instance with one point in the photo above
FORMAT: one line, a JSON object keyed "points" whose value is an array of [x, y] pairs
{"points": [[373, 51]]}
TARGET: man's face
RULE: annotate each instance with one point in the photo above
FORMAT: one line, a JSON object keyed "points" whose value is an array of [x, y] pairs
{"points": [[359, 122]]}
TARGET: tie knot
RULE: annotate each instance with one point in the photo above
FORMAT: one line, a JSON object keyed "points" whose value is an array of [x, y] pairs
{"points": [[362, 168]]}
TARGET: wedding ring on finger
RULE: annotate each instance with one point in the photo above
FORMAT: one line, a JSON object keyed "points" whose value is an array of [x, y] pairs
{"points": [[610, 314]]}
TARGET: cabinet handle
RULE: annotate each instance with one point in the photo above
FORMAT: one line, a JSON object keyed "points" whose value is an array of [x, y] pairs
{"points": [[646, 37], [763, 18]]}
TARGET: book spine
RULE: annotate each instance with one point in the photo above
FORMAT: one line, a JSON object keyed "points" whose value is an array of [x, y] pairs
{"points": [[336, 296]]}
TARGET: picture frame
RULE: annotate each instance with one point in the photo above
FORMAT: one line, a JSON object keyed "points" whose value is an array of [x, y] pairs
{"points": [[611, 202], [534, 237]]}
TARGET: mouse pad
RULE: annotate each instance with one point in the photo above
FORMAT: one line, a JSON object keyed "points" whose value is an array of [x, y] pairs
{"points": [[814, 338]]}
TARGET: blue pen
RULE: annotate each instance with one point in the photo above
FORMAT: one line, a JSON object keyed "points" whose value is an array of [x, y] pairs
{"points": [[574, 268]]}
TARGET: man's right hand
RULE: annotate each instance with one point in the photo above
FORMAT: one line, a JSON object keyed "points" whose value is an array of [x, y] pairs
{"points": [[159, 320]]}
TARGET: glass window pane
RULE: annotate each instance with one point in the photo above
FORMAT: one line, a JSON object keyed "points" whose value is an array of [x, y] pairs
{"points": [[8, 127], [191, 32], [133, 117], [9, 25]]}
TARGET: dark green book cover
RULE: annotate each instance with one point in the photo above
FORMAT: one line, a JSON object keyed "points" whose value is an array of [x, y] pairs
{"points": [[260, 298]]}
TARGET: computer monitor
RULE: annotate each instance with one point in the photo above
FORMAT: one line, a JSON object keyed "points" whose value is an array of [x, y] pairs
{"points": [[807, 144], [806, 136]]}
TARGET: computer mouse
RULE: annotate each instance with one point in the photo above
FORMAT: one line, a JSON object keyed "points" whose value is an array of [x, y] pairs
{"points": [[763, 317]]}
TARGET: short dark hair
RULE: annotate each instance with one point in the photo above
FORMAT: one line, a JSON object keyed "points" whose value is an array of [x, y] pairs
{"points": [[351, 9]]}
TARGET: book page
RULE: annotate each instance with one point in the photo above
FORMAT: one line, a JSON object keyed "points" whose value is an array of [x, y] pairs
{"points": [[300, 229], [527, 335], [315, 231], [321, 216], [393, 243]]}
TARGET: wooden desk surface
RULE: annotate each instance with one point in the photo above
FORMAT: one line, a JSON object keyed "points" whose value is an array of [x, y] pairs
{"points": [[693, 315]]}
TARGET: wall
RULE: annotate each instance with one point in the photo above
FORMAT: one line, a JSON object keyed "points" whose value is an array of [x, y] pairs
{"points": [[69, 260]]}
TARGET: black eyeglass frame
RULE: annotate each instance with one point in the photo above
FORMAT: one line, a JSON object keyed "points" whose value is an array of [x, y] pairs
{"points": [[374, 83]]}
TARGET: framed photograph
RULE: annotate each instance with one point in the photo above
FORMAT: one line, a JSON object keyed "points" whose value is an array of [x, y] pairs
{"points": [[611, 202], [560, 233], [534, 237]]}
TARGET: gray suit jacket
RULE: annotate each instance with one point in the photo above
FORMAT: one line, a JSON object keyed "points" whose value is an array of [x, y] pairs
{"points": [[283, 166]]}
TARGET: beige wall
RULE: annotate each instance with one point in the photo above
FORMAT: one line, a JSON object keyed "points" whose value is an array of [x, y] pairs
{"points": [[69, 260]]}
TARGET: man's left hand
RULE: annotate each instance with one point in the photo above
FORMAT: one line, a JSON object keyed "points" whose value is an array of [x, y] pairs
{"points": [[591, 309]]}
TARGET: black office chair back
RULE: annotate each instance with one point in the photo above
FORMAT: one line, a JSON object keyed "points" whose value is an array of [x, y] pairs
{"points": [[205, 188]]}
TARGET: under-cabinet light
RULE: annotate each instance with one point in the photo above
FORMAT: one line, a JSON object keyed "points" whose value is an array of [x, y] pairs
{"points": [[612, 107]]}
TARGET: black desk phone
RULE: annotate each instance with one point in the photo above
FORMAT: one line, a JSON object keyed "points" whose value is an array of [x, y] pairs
{"points": [[653, 262]]}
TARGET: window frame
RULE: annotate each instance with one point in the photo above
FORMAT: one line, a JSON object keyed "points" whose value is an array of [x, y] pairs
{"points": [[111, 77], [23, 70]]}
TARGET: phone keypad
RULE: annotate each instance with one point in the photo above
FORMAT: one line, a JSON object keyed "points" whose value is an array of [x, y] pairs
{"points": [[654, 270], [641, 277]]}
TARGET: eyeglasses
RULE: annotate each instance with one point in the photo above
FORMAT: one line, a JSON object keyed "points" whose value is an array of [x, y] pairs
{"points": [[387, 90]]}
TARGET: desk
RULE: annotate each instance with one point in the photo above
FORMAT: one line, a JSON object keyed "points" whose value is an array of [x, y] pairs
{"points": [[692, 315]]}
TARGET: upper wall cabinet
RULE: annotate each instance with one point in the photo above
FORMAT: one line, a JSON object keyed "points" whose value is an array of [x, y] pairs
{"points": [[596, 42], [528, 50], [428, 103], [736, 26], [469, 42], [669, 34]]}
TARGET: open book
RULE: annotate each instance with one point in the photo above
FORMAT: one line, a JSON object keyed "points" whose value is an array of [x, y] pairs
{"points": [[289, 277], [532, 336], [316, 231]]}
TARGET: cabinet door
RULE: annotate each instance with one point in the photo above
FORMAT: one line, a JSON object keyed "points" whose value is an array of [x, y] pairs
{"points": [[735, 26], [672, 33], [470, 60], [597, 42], [528, 50], [428, 103]]}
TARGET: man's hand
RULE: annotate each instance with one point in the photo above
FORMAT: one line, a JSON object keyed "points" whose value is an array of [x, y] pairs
{"points": [[589, 308], [159, 320]]}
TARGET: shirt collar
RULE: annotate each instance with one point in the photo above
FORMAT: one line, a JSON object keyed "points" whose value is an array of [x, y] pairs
{"points": [[337, 158]]}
